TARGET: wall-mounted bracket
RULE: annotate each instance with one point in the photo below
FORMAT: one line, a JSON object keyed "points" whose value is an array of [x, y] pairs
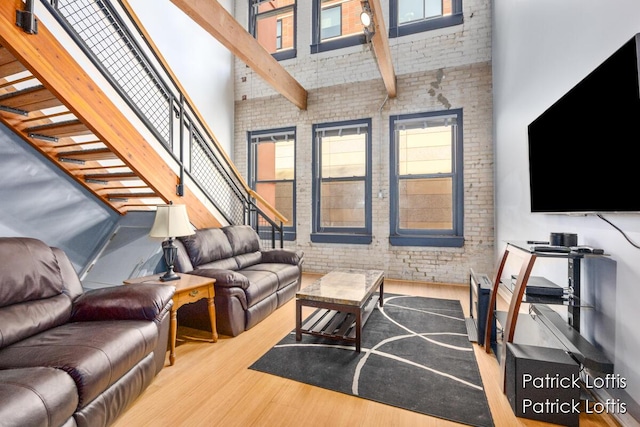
{"points": [[26, 19]]}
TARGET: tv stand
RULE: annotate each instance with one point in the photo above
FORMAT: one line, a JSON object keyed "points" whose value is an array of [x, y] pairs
{"points": [[548, 323]]}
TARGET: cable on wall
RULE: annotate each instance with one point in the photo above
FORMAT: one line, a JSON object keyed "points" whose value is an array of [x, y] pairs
{"points": [[635, 245]]}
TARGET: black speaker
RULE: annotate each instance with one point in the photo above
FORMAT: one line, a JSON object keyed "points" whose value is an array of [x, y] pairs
{"points": [[543, 384]]}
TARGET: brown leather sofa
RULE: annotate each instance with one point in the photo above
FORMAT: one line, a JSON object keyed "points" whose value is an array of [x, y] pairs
{"points": [[250, 283], [69, 357]]}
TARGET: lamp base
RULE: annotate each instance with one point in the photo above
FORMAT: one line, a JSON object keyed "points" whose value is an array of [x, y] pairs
{"points": [[169, 276], [170, 252]]}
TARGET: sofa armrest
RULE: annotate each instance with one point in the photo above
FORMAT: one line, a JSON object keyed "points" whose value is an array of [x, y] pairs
{"points": [[144, 301], [224, 278], [283, 256]]}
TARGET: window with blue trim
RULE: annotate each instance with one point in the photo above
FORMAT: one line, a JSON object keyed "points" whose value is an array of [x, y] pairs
{"points": [[336, 24], [342, 182], [415, 16], [426, 185], [272, 172], [273, 24]]}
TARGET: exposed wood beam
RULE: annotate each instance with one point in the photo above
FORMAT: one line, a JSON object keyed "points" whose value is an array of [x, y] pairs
{"points": [[215, 19], [380, 42]]}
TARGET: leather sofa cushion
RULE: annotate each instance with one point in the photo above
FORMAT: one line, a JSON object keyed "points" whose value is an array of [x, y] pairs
{"points": [[94, 354], [29, 271], [224, 278], [242, 238], [20, 321], [144, 301], [206, 245], [263, 284], [248, 259], [284, 256], [36, 397], [221, 264], [285, 273]]}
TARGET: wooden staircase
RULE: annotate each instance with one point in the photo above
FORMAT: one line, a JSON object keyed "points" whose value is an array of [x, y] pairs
{"points": [[49, 101]]}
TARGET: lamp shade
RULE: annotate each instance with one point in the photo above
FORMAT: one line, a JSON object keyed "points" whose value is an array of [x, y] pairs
{"points": [[171, 221]]}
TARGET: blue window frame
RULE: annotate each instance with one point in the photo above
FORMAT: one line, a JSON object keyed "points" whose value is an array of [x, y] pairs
{"points": [[426, 179], [273, 24], [342, 182], [336, 25], [415, 16], [272, 172]]}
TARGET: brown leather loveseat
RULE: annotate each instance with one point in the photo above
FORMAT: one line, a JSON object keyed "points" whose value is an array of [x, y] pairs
{"points": [[250, 284], [69, 357]]}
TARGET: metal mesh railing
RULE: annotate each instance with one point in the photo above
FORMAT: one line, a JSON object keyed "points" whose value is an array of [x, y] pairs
{"points": [[207, 172], [135, 71], [117, 53]]}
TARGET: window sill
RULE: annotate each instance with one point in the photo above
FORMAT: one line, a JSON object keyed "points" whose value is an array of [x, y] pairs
{"points": [[434, 241], [338, 43], [422, 26], [286, 54], [358, 239]]}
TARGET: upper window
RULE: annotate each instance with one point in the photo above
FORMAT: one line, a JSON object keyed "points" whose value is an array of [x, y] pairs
{"points": [[414, 16], [426, 179], [272, 172], [273, 24], [342, 182], [336, 24]]}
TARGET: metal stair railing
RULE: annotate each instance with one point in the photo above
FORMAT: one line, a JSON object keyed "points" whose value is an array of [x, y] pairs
{"points": [[133, 68]]}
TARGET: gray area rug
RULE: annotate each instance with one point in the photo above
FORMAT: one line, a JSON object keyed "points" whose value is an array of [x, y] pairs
{"points": [[415, 355]]}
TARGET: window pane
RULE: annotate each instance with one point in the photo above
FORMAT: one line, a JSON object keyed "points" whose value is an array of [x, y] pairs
{"points": [[330, 22], [344, 156], [275, 25], [343, 204], [275, 160], [432, 8], [280, 196], [339, 18], [426, 204], [410, 10], [425, 151], [415, 10]]}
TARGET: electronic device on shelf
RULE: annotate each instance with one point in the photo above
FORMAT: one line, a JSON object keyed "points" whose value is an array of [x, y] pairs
{"points": [[551, 248], [540, 286], [587, 250]]}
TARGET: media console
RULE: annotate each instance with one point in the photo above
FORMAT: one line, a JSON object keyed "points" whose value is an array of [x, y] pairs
{"points": [[542, 326]]}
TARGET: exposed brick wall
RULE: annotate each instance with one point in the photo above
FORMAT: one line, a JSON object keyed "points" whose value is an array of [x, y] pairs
{"points": [[437, 70]]}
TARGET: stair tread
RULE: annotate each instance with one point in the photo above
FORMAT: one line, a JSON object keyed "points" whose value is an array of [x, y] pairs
{"points": [[92, 154], [31, 99], [113, 176], [60, 129]]}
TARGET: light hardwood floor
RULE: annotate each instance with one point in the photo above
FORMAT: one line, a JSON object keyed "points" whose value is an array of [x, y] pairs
{"points": [[211, 385]]}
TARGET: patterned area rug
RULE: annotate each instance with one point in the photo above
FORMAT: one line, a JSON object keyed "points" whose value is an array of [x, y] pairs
{"points": [[415, 355]]}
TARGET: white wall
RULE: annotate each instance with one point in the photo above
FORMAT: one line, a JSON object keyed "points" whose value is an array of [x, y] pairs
{"points": [[203, 66], [541, 49]]}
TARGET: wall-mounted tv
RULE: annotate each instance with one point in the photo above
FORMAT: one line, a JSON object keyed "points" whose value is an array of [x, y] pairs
{"points": [[583, 150]]}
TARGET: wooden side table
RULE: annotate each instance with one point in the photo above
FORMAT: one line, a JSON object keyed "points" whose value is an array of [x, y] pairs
{"points": [[189, 288]]}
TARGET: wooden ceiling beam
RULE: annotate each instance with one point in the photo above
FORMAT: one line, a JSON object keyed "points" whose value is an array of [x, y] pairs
{"points": [[380, 42], [215, 19]]}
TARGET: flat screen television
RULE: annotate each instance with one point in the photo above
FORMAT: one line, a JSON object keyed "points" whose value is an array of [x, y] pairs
{"points": [[583, 150]]}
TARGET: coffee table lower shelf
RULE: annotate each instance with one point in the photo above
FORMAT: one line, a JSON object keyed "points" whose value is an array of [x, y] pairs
{"points": [[338, 322]]}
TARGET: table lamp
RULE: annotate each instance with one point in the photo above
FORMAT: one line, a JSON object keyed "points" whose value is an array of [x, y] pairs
{"points": [[171, 221]]}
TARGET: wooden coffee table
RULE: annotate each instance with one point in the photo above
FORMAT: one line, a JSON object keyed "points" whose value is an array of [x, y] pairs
{"points": [[189, 288], [345, 299]]}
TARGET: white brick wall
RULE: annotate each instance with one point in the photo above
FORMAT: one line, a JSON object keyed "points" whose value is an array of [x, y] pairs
{"points": [[446, 68]]}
